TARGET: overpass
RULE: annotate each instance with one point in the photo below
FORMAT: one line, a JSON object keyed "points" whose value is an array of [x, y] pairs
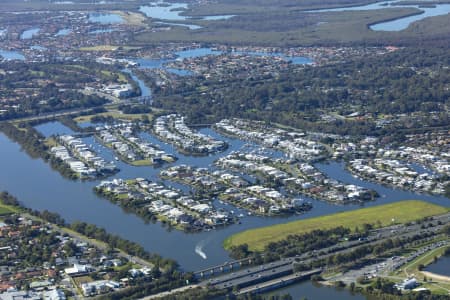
{"points": [[278, 282], [276, 272], [223, 268], [253, 275], [53, 115], [140, 99]]}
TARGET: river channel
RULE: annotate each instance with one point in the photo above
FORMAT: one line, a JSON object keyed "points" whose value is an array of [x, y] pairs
{"points": [[400, 23], [40, 187]]}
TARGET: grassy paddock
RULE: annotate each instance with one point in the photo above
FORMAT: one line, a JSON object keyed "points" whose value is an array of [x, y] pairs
{"points": [[5, 211], [400, 212], [115, 115]]}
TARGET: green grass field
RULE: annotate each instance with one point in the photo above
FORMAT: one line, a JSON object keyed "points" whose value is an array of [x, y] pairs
{"points": [[5, 211], [115, 115], [142, 162], [400, 212]]}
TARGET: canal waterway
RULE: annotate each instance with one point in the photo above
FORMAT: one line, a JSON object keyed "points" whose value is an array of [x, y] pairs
{"points": [[28, 34], [11, 55], [145, 90], [39, 187], [387, 194], [63, 32]]}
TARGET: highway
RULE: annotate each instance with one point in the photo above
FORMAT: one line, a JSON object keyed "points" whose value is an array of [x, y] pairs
{"points": [[284, 267], [278, 282], [53, 115]]}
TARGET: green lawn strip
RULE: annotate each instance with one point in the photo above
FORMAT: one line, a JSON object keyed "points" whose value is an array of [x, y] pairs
{"points": [[5, 211], [142, 162], [424, 259], [115, 115], [388, 214]]}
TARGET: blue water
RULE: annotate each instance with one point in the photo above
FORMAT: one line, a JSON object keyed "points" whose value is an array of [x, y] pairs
{"points": [[403, 23], [170, 12], [63, 32], [441, 266], [40, 187], [399, 24], [173, 12], [313, 291], [105, 18], [53, 128], [371, 6], [197, 52], [29, 34], [299, 60], [388, 194], [422, 169], [145, 63], [145, 90], [86, 124], [11, 55], [74, 200], [218, 17]]}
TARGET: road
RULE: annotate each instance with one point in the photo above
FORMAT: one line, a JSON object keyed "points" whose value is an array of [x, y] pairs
{"points": [[53, 115], [167, 293], [98, 244], [270, 271], [279, 281]]}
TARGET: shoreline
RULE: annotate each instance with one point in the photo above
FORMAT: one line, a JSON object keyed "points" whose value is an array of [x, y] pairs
{"points": [[419, 12], [436, 276]]}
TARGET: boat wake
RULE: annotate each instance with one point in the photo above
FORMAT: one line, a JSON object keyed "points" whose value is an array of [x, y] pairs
{"points": [[199, 249]]}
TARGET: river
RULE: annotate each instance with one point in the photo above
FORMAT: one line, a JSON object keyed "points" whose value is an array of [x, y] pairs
{"points": [[314, 291], [40, 187], [397, 24]]}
